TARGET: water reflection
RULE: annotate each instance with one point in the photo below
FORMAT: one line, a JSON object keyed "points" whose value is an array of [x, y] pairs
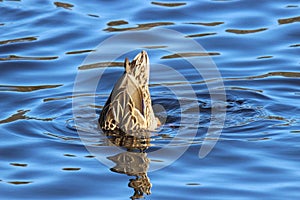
{"points": [[19, 182], [240, 31], [190, 54], [133, 162], [19, 164], [168, 4], [80, 51], [16, 88], [21, 114], [67, 6], [206, 23], [23, 39], [15, 57], [139, 27], [289, 20], [117, 23], [200, 35]]}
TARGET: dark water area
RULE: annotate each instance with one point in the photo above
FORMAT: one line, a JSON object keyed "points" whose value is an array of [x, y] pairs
{"points": [[45, 154]]}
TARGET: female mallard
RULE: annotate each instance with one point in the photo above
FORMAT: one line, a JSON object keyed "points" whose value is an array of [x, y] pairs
{"points": [[128, 107]]}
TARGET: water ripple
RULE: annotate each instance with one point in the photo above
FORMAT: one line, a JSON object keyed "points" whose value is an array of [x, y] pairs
{"points": [[117, 23], [206, 23], [67, 6], [21, 114], [80, 51], [240, 31], [19, 164], [190, 54], [23, 39], [254, 44], [19, 182], [16, 88], [289, 20], [14, 57], [200, 35], [145, 26], [168, 4]]}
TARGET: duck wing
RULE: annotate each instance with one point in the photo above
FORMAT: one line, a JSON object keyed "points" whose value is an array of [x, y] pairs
{"points": [[124, 109]]}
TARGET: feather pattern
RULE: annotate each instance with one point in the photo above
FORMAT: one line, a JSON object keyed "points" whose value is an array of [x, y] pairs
{"points": [[129, 106]]}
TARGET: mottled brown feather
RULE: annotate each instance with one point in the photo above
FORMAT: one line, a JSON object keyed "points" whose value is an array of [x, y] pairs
{"points": [[128, 107]]}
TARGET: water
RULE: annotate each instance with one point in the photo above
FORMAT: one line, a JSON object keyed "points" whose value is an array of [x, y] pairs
{"points": [[255, 45]]}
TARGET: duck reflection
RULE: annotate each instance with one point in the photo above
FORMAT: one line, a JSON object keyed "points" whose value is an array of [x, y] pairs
{"points": [[133, 162]]}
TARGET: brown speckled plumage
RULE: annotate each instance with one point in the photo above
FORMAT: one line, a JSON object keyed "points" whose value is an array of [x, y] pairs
{"points": [[128, 107]]}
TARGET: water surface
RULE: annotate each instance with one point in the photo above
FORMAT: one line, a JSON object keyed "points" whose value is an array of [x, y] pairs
{"points": [[254, 44]]}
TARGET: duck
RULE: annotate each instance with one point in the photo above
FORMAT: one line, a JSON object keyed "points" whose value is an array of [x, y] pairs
{"points": [[129, 107]]}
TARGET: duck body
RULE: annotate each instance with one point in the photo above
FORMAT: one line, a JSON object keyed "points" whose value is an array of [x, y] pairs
{"points": [[129, 107]]}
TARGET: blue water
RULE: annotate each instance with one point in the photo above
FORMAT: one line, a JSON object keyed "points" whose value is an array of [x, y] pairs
{"points": [[44, 45]]}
